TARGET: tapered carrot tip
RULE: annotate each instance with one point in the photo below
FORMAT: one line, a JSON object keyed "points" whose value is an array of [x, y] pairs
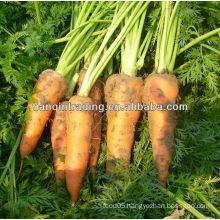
{"points": [[79, 133], [73, 204], [163, 183]]}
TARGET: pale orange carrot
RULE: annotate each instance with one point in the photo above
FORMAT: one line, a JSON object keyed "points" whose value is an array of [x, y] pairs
{"points": [[51, 88], [96, 95], [161, 89], [122, 90], [58, 139], [79, 135]]}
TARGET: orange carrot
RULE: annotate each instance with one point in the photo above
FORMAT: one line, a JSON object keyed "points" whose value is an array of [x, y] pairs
{"points": [[58, 139], [161, 89], [51, 88], [121, 89], [79, 135], [96, 95]]}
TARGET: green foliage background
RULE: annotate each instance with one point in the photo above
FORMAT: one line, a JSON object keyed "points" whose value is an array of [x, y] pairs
{"points": [[26, 49]]}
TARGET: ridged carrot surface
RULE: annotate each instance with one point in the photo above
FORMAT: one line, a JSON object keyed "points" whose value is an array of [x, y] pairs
{"points": [[122, 90], [96, 94], [58, 139], [161, 89], [79, 136], [51, 88]]}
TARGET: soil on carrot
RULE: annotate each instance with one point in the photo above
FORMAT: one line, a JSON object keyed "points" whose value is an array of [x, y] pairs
{"points": [[128, 87], [27, 48]]}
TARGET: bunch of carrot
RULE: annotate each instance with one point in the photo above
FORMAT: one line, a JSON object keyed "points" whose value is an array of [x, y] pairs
{"points": [[52, 88], [76, 135], [81, 138]]}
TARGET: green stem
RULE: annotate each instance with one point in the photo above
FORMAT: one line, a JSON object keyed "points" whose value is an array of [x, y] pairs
{"points": [[85, 15], [140, 61], [129, 64], [183, 203], [10, 34], [87, 82], [37, 12], [89, 49], [70, 47], [73, 44], [11, 156], [162, 62], [104, 61], [72, 18], [84, 24], [92, 19], [159, 38], [218, 32], [12, 181], [64, 39], [19, 64], [77, 49], [173, 15], [74, 39], [209, 204], [99, 32], [184, 65], [64, 32], [72, 85], [171, 42], [210, 9], [173, 59], [199, 39], [82, 13], [91, 54], [93, 73], [61, 40], [211, 48], [146, 42]]}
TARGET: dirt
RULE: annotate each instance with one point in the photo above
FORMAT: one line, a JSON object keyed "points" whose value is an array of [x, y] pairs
{"points": [[42, 99], [124, 154], [124, 84], [128, 87], [153, 93]]}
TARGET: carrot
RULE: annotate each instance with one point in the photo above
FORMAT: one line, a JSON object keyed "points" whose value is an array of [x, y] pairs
{"points": [[124, 90], [161, 89], [79, 135], [79, 44], [131, 12], [121, 89], [58, 139], [96, 95], [51, 88]]}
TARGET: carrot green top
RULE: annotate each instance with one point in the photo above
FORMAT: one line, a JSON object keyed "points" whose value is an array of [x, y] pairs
{"points": [[167, 38], [135, 9]]}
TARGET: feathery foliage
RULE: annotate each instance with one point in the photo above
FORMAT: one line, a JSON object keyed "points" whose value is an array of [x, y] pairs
{"points": [[27, 48]]}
